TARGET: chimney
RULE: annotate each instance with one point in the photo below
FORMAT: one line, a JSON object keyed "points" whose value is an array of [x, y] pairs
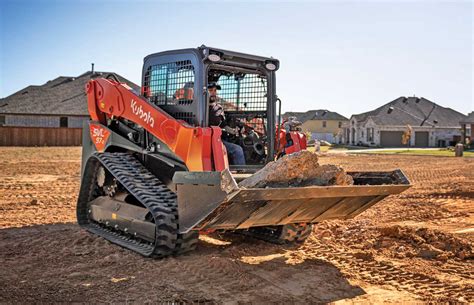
{"points": [[92, 68]]}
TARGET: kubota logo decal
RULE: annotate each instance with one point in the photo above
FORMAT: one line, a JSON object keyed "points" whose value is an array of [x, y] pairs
{"points": [[144, 116], [99, 136]]}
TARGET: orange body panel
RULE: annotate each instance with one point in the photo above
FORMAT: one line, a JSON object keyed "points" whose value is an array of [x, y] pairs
{"points": [[196, 146], [303, 141], [219, 149], [299, 142], [99, 136], [296, 144]]}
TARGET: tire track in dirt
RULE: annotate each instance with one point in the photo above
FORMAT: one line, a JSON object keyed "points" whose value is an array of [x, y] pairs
{"points": [[383, 272], [458, 270]]}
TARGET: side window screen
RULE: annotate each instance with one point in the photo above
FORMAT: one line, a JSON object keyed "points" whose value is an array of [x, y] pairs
{"points": [[170, 83]]}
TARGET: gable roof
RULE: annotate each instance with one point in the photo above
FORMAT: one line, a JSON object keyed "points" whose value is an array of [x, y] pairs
{"points": [[64, 95], [413, 111], [469, 119], [321, 114]]}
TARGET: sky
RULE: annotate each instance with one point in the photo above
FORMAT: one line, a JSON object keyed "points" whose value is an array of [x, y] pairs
{"points": [[349, 57]]}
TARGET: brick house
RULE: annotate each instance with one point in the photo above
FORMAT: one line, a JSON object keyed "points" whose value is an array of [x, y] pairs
{"points": [[51, 114], [432, 125]]}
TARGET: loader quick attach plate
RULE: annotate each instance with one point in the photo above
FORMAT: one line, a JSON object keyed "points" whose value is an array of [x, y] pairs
{"points": [[213, 200]]}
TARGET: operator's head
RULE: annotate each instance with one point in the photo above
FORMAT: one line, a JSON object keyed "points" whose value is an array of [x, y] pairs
{"points": [[212, 89]]}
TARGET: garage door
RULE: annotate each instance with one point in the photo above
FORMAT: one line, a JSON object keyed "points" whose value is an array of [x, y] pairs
{"points": [[323, 136], [391, 138], [421, 138]]}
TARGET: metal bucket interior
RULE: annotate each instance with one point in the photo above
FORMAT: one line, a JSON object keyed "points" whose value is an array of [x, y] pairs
{"points": [[213, 200]]}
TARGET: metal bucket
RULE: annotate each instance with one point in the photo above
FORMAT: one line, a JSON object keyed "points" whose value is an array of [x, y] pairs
{"points": [[213, 200]]}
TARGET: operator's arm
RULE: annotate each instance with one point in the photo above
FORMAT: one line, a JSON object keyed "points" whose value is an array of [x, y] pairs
{"points": [[216, 114], [217, 117]]}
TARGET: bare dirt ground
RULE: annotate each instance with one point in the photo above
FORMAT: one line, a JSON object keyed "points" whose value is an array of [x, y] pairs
{"points": [[416, 246]]}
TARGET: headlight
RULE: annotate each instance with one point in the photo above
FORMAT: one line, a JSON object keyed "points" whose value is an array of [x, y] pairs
{"points": [[214, 57], [270, 66]]}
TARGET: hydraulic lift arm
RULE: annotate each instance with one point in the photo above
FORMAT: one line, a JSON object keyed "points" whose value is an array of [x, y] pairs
{"points": [[200, 148]]}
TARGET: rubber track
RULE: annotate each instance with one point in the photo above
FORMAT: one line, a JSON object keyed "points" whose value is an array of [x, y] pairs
{"points": [[149, 191]]}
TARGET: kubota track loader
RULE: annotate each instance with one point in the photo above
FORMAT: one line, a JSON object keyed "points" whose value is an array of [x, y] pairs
{"points": [[155, 174]]}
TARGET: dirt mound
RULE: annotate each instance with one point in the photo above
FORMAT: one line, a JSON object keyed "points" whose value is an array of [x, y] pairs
{"points": [[298, 169], [396, 241], [428, 243]]}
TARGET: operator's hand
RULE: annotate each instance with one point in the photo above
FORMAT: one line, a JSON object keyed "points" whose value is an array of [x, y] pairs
{"points": [[233, 131]]}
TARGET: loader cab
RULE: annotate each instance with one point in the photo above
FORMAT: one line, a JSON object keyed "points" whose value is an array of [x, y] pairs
{"points": [[176, 81]]}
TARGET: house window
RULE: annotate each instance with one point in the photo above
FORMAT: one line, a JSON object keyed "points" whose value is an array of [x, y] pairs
{"points": [[2, 120], [63, 121], [324, 124], [340, 124]]}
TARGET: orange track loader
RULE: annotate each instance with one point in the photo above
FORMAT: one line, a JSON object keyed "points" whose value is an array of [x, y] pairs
{"points": [[155, 174]]}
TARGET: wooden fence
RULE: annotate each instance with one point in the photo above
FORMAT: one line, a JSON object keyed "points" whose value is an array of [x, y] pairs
{"points": [[40, 136]]}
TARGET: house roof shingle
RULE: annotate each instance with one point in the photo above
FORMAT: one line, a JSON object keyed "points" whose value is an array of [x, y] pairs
{"points": [[469, 119], [413, 111], [64, 95], [321, 114]]}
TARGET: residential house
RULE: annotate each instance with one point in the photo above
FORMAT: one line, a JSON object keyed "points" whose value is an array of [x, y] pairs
{"points": [[430, 124], [467, 128], [50, 114], [322, 124]]}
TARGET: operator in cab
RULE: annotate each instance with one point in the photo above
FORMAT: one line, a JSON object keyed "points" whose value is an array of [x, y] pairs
{"points": [[217, 118]]}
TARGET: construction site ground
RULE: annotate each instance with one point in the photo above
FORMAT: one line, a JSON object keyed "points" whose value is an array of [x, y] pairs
{"points": [[416, 246]]}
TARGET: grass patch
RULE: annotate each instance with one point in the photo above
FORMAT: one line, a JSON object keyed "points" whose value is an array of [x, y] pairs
{"points": [[321, 148], [422, 152], [339, 147]]}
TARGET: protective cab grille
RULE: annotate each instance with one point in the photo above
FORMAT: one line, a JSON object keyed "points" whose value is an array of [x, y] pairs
{"points": [[171, 87], [244, 96]]}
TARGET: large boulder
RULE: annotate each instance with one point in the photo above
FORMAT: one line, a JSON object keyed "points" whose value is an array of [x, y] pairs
{"points": [[297, 169]]}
